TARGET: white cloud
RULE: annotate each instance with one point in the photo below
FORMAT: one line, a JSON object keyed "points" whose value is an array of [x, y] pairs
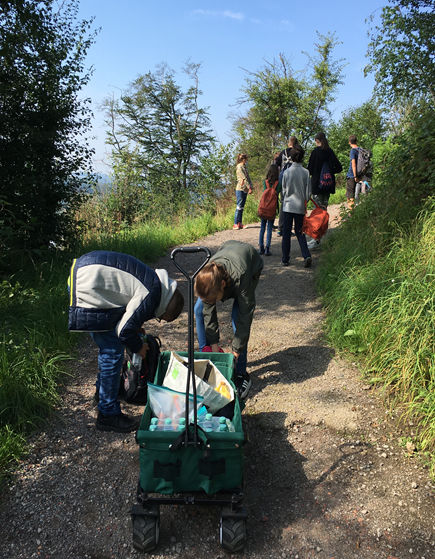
{"points": [[226, 13]]}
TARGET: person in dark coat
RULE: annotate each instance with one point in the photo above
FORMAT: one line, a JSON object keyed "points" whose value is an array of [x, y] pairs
{"points": [[322, 155]]}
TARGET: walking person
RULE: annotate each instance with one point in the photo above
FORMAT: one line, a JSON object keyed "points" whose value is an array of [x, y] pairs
{"points": [[322, 166], [351, 176], [243, 188], [284, 162], [232, 273], [266, 225], [296, 191], [111, 296]]}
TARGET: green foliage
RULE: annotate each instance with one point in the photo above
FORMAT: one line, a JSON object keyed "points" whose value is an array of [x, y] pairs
{"points": [[42, 156], [401, 52], [377, 277], [280, 104], [159, 137]]}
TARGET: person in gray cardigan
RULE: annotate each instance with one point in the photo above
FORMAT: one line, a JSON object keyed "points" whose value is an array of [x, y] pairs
{"points": [[296, 191]]}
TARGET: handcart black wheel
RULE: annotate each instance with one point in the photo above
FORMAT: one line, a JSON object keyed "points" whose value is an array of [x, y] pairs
{"points": [[232, 533], [146, 529]]}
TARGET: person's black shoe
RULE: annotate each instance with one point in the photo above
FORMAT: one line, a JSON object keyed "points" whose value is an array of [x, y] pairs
{"points": [[285, 263], [268, 253], [307, 262], [261, 250], [96, 398], [243, 384], [120, 423]]}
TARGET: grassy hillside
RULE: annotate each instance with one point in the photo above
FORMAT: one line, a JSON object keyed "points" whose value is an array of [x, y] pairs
{"points": [[377, 280]]}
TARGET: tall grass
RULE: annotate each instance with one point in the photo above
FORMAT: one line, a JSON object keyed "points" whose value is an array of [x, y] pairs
{"points": [[377, 281]]}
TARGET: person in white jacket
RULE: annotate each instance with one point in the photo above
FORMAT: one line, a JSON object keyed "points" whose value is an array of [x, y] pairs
{"points": [[296, 191]]}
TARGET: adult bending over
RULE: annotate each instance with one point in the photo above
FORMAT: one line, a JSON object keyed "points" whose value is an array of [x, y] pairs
{"points": [[232, 273]]}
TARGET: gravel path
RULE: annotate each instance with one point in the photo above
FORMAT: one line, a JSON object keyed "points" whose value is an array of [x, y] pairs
{"points": [[325, 474]]}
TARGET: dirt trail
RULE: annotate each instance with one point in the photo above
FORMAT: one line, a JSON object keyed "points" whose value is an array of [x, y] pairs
{"points": [[325, 475]]}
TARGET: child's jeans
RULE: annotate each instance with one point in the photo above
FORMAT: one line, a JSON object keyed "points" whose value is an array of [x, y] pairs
{"points": [[202, 340], [110, 359], [266, 225], [241, 199]]}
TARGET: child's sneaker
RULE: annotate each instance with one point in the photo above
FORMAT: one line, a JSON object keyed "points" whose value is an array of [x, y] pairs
{"points": [[261, 250], [268, 253], [240, 226], [243, 384], [120, 423], [236, 226]]}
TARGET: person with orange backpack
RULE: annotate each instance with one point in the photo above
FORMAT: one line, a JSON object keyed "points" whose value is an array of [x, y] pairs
{"points": [[296, 191], [268, 206]]}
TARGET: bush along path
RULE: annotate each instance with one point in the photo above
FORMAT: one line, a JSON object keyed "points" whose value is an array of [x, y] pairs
{"points": [[325, 474]]}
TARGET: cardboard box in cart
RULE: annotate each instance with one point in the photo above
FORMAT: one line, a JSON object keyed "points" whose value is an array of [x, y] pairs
{"points": [[217, 466]]}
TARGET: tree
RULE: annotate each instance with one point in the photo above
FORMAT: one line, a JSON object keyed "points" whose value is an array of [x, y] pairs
{"points": [[401, 52], [282, 103], [167, 131], [42, 120]]}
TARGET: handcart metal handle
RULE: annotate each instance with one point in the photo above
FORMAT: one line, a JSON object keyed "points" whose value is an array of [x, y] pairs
{"points": [[190, 354]]}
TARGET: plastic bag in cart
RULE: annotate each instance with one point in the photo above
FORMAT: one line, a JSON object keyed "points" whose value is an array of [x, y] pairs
{"points": [[165, 402], [210, 382]]}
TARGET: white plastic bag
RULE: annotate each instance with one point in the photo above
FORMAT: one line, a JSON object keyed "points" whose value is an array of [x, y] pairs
{"points": [[165, 402], [212, 389]]}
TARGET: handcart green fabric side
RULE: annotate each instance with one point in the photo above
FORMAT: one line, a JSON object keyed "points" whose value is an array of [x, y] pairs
{"points": [[217, 466]]}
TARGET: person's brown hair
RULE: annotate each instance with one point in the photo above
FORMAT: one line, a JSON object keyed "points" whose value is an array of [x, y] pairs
{"points": [[208, 282], [297, 154], [294, 141], [353, 139], [272, 174], [242, 157], [322, 139], [175, 306]]}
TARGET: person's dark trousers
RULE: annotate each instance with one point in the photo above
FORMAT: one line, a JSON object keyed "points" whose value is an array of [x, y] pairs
{"points": [[288, 220], [241, 199], [280, 218]]}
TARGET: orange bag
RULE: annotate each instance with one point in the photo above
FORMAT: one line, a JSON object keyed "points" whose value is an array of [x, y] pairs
{"points": [[316, 224]]}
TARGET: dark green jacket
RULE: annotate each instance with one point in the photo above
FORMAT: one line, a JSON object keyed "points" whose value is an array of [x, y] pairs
{"points": [[243, 264]]}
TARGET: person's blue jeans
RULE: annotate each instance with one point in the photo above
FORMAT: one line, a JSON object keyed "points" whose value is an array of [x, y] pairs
{"points": [[242, 360], [266, 225], [240, 199], [288, 219], [110, 359]]}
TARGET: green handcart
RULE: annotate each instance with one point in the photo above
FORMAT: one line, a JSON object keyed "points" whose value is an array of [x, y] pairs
{"points": [[193, 467]]}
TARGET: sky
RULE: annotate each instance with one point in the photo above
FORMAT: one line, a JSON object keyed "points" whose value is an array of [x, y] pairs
{"points": [[226, 37]]}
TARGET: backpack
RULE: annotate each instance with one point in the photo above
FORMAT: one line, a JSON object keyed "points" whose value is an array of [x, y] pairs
{"points": [[268, 202], [134, 380], [364, 166], [327, 179], [286, 160]]}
